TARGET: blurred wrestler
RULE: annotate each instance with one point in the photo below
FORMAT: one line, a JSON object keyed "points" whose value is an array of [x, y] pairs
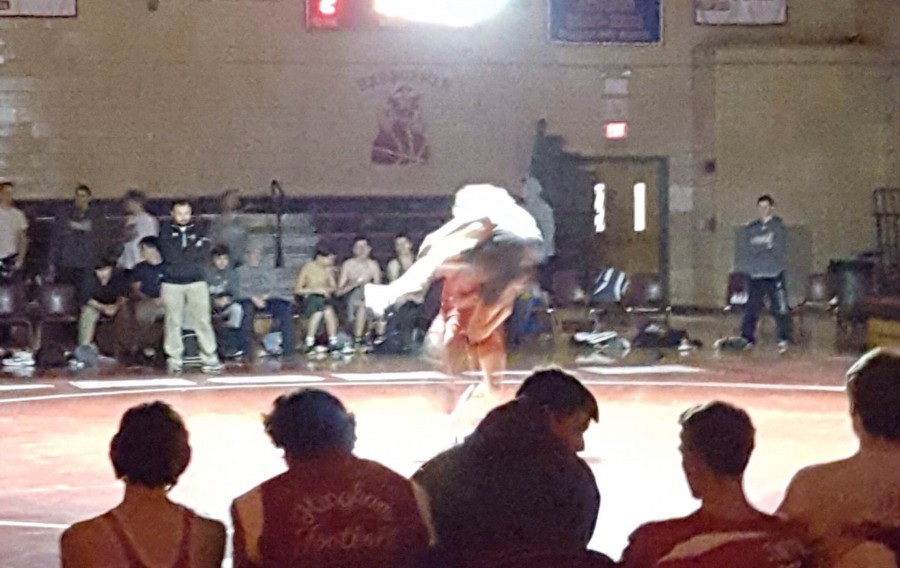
{"points": [[486, 254]]}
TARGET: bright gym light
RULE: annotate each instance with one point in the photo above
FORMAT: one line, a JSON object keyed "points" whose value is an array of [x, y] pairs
{"points": [[454, 13]]}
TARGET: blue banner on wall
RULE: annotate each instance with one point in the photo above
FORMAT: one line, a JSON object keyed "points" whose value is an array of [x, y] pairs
{"points": [[605, 21]]}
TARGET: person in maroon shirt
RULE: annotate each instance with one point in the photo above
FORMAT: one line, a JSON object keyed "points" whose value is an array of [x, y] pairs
{"points": [[149, 453], [330, 509], [716, 443]]}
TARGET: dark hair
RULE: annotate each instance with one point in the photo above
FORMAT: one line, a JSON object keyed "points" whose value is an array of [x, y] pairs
{"points": [[874, 390], [220, 250], [149, 241], [151, 447], [179, 202], [558, 392], [107, 261], [6, 183], [310, 422], [765, 197], [136, 195], [721, 434], [323, 251], [82, 187]]}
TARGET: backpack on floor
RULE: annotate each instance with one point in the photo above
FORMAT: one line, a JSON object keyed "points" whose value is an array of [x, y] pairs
{"points": [[658, 336]]}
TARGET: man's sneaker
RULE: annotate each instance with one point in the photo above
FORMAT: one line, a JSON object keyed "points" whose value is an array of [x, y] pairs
{"points": [[783, 346], [348, 348], [376, 298], [212, 368], [174, 368], [19, 359]]}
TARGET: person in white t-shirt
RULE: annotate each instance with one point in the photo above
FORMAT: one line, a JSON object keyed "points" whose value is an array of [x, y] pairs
{"points": [[852, 506], [139, 224], [13, 228]]}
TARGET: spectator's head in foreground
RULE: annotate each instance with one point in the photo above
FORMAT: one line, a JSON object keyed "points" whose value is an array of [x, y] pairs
{"points": [[716, 443], [568, 405], [874, 389], [309, 424], [151, 447]]}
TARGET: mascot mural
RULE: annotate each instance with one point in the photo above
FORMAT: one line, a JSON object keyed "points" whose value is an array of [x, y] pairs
{"points": [[401, 130]]}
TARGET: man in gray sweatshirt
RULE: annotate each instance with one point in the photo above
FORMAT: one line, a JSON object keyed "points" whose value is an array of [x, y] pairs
{"points": [[763, 247], [261, 292]]}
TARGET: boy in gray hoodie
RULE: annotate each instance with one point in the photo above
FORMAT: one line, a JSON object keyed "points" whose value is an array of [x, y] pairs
{"points": [[763, 244]]}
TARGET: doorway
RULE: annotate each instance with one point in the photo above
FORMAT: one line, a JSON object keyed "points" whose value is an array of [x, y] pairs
{"points": [[630, 209]]}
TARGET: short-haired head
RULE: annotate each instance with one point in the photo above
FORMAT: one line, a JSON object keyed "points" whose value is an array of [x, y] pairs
{"points": [[219, 250], [323, 252], [151, 447], [720, 434], [558, 392], [309, 423], [83, 189], [766, 199], [874, 389], [136, 195], [107, 261]]}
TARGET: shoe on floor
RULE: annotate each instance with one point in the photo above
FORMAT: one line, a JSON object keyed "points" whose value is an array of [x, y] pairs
{"points": [[19, 359], [174, 368], [783, 346], [212, 368]]}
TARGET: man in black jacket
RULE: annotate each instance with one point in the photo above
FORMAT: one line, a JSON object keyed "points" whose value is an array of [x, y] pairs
{"points": [[516, 486], [184, 290]]}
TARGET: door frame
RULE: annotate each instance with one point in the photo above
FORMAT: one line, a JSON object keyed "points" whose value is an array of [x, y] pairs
{"points": [[662, 183]]}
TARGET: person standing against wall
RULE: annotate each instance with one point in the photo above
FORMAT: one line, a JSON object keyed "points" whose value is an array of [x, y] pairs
{"points": [[764, 242], [74, 250], [138, 225]]}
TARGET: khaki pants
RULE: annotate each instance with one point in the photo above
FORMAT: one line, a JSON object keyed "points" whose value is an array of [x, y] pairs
{"points": [[87, 324], [190, 300]]}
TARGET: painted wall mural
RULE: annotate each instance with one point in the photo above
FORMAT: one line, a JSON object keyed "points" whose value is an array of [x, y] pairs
{"points": [[401, 138]]}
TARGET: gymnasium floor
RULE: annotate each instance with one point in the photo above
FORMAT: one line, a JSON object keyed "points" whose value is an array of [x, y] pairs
{"points": [[56, 429]]}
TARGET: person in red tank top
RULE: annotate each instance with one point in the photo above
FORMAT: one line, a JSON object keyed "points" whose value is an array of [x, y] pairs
{"points": [[149, 452], [330, 509], [727, 531]]}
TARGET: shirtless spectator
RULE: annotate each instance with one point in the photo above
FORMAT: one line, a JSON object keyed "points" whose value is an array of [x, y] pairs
{"points": [[149, 453], [13, 239], [138, 224], [330, 508], [852, 506], [356, 272], [316, 284], [517, 485], [727, 531]]}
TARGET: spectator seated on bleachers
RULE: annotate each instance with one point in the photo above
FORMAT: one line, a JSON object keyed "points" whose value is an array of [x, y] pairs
{"points": [[316, 285], [101, 296], [852, 506], [227, 311], [149, 453], [330, 508], [260, 292], [356, 272], [517, 485], [138, 326], [716, 443]]}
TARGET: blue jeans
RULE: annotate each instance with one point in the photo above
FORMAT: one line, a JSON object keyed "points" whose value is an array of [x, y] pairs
{"points": [[776, 291], [278, 309]]}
